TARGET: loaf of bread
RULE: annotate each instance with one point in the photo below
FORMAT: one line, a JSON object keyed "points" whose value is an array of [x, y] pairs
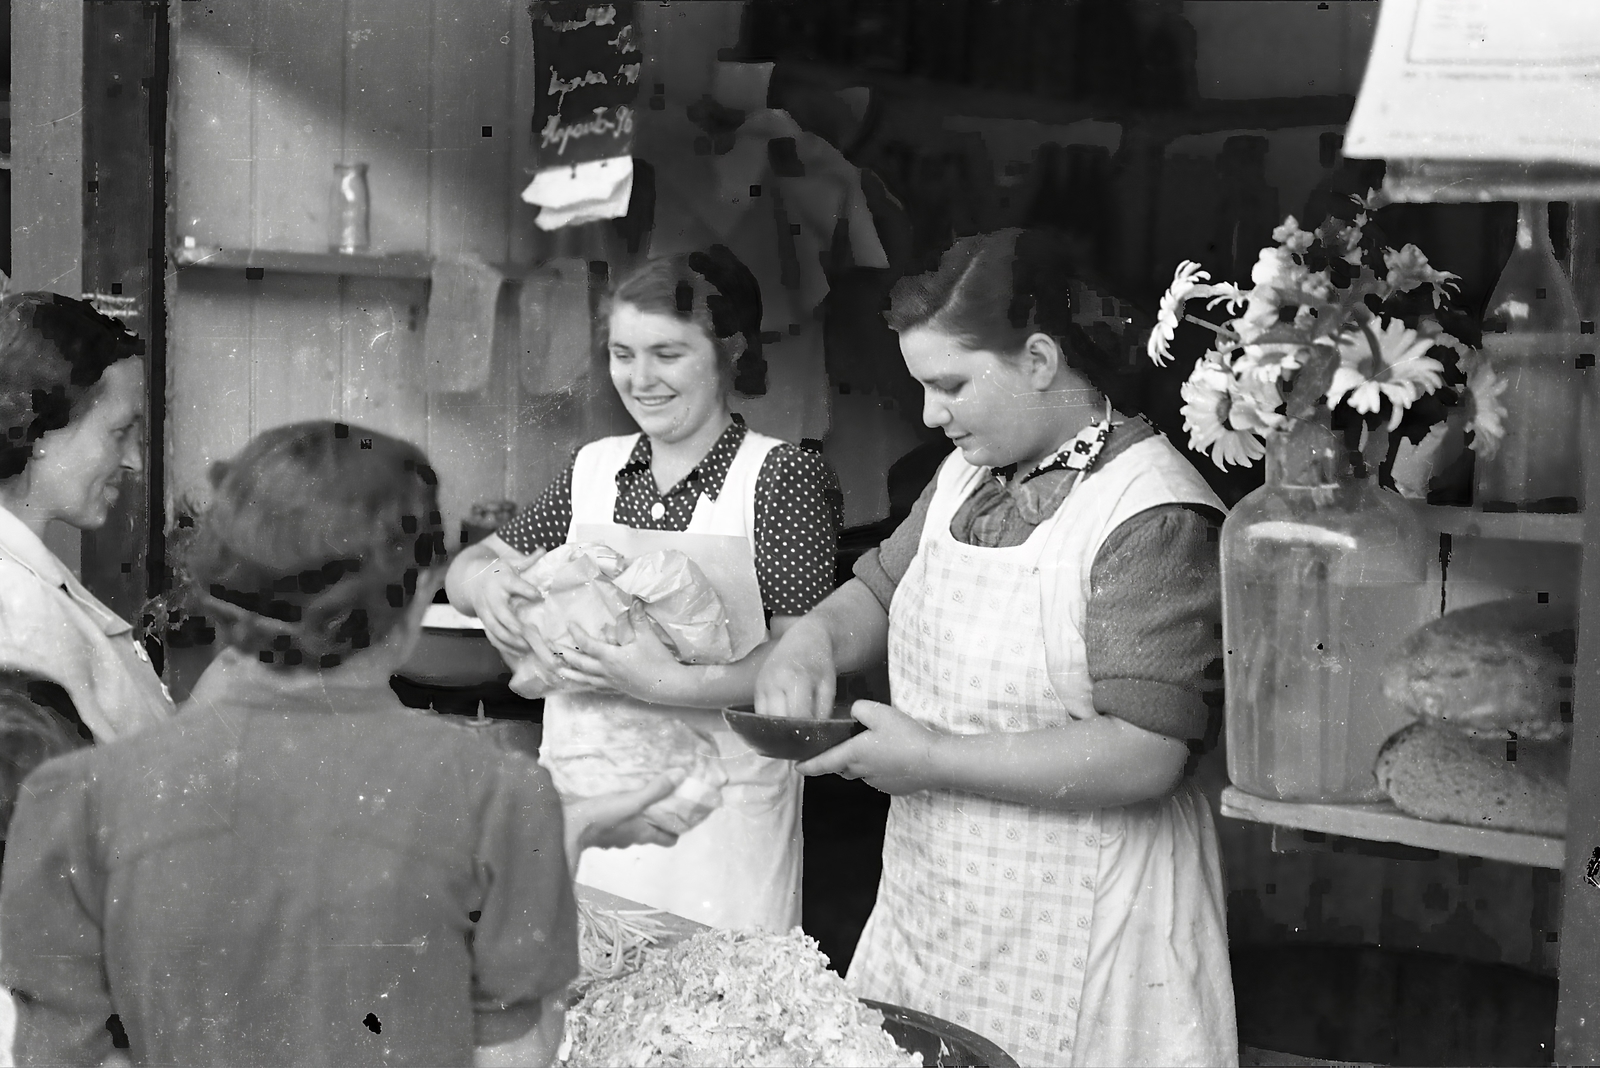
{"points": [[1435, 772], [1491, 670]]}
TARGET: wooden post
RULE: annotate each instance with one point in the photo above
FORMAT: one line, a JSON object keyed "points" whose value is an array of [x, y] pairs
{"points": [[47, 166], [1578, 1014], [123, 260]]}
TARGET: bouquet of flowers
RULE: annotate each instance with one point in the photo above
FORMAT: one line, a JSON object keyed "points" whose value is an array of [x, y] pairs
{"points": [[1334, 318]]}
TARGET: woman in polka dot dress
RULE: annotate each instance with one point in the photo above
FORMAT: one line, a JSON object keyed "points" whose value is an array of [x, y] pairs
{"points": [[1049, 612], [681, 332]]}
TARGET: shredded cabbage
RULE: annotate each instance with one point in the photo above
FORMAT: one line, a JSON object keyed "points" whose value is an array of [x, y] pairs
{"points": [[730, 999]]}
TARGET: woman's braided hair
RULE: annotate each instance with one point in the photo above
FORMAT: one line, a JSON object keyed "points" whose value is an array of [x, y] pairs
{"points": [[54, 350], [314, 541]]}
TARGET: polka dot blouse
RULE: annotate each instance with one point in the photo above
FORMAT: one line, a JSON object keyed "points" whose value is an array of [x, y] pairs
{"points": [[799, 510]]}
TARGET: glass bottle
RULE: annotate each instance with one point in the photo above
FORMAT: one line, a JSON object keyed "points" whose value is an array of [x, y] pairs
{"points": [[351, 208], [1323, 573], [1530, 333], [1583, 244]]}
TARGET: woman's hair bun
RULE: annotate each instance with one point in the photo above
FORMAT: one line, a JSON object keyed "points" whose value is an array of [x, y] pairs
{"points": [[314, 543]]}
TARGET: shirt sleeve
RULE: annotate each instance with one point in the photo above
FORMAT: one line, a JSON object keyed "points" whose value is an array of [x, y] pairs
{"points": [[1154, 621], [881, 569], [798, 506], [50, 921], [544, 523], [525, 942]]}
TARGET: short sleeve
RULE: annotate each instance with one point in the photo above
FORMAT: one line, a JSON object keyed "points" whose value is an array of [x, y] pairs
{"points": [[798, 515], [1153, 631], [50, 920], [881, 569], [544, 523], [525, 943]]}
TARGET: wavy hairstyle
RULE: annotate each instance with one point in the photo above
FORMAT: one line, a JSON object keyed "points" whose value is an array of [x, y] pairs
{"points": [[54, 351], [993, 291], [714, 290], [314, 541]]}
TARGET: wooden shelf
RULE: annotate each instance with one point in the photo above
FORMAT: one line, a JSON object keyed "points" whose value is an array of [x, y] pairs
{"points": [[406, 265], [1385, 823], [1566, 528]]}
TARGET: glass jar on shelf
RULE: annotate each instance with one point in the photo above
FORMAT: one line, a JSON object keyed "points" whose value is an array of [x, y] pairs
{"points": [[1323, 574], [351, 209], [1531, 333]]}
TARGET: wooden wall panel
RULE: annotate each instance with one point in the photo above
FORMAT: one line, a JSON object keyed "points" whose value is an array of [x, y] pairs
{"points": [[208, 393], [295, 351], [213, 124], [269, 95], [469, 173], [385, 114], [381, 342], [298, 73]]}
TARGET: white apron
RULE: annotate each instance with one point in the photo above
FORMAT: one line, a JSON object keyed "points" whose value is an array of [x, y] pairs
{"points": [[1094, 937], [741, 867]]}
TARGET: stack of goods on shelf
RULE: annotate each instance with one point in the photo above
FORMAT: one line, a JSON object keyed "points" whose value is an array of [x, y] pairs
{"points": [[1487, 688]]}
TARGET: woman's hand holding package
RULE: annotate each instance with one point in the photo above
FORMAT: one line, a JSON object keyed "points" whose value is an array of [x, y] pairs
{"points": [[488, 578], [895, 754], [643, 668]]}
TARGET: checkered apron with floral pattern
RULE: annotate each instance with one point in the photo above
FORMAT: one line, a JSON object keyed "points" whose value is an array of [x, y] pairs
{"points": [[985, 906]]}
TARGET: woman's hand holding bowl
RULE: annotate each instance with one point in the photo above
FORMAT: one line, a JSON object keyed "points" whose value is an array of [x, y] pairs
{"points": [[896, 754]]}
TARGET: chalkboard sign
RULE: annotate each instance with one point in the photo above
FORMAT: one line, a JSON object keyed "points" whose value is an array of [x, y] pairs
{"points": [[588, 74]]}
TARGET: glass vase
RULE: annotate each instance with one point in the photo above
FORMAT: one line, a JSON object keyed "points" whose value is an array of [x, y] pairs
{"points": [[1323, 574]]}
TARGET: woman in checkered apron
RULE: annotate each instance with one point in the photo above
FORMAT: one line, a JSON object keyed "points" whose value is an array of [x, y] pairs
{"points": [[1049, 613]]}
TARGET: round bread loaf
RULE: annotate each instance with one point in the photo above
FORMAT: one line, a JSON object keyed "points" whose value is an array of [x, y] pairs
{"points": [[1489, 670], [1438, 773]]}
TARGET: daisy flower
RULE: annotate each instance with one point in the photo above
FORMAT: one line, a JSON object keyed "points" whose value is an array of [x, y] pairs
{"points": [[1409, 268], [1291, 237], [1487, 412], [1189, 281], [1375, 199], [1268, 364], [1209, 400], [1390, 362]]}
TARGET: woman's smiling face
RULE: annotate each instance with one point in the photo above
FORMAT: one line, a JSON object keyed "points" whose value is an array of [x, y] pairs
{"points": [[78, 477], [667, 373], [989, 406]]}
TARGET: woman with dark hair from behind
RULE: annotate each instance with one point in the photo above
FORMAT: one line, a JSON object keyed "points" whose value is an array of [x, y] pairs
{"points": [[1050, 614], [299, 869], [682, 333]]}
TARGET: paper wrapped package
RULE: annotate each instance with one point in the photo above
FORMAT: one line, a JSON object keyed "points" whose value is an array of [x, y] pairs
{"points": [[627, 750], [675, 596], [593, 588]]}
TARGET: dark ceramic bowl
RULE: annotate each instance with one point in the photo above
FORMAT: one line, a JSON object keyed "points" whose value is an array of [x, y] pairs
{"points": [[782, 738], [939, 1043]]}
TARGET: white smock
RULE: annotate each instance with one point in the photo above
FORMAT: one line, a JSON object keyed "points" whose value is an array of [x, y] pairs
{"points": [[1091, 937], [54, 628], [740, 868]]}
